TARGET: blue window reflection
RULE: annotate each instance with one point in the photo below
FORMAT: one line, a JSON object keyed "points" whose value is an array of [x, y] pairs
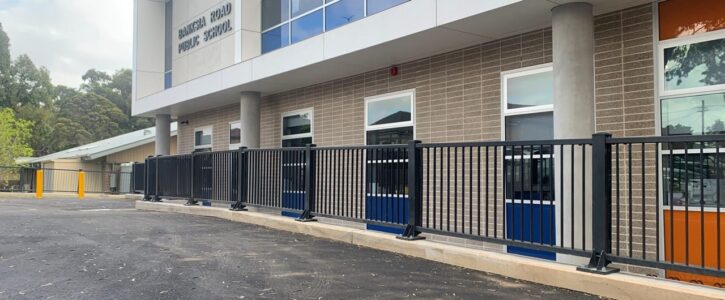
{"points": [[376, 6], [275, 38], [343, 12], [307, 26]]}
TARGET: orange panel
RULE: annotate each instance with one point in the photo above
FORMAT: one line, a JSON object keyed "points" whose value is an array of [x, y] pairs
{"points": [[687, 17], [688, 249]]}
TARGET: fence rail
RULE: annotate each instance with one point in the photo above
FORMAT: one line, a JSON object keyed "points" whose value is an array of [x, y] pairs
{"points": [[650, 201], [23, 179]]}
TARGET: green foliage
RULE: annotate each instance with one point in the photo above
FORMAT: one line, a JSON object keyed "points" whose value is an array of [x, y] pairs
{"points": [[14, 137], [64, 117]]}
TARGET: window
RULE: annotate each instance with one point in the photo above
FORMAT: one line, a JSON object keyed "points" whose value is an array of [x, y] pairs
{"points": [[297, 128], [285, 22], [389, 120], [376, 6], [235, 134], [692, 102], [342, 12], [528, 105], [202, 138]]}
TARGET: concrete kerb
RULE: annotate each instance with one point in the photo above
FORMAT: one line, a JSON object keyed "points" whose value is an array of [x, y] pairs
{"points": [[619, 286]]}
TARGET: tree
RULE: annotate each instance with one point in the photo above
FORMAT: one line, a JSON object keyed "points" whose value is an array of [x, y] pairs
{"points": [[14, 137], [85, 118]]}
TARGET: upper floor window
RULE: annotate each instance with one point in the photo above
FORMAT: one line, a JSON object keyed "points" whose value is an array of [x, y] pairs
{"points": [[286, 22], [297, 128]]}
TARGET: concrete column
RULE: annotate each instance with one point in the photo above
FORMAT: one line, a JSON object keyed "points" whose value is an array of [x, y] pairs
{"points": [[249, 116], [163, 134], [573, 56], [573, 53]]}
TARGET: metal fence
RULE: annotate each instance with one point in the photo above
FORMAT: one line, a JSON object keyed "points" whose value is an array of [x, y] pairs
{"points": [[652, 201], [23, 179]]}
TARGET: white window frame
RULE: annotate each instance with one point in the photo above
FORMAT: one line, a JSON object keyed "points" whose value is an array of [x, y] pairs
{"points": [[505, 111], [311, 112], [229, 136], [692, 39], [681, 93], [410, 93], [211, 140]]}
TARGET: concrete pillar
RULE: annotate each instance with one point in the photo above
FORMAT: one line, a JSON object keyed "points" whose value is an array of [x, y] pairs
{"points": [[573, 56], [249, 117], [573, 53], [163, 134]]}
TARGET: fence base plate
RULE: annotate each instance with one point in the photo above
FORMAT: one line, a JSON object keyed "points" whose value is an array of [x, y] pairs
{"points": [[410, 234], [306, 216], [598, 264]]}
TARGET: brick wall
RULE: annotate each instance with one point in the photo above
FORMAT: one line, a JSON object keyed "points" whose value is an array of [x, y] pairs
{"points": [[218, 118]]}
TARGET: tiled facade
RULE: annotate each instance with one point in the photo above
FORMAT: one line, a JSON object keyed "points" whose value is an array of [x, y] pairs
{"points": [[458, 96]]}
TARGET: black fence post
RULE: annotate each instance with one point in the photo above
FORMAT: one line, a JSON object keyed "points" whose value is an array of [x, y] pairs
{"points": [[601, 205], [147, 179], [241, 181], [156, 197], [191, 200], [415, 184], [309, 199]]}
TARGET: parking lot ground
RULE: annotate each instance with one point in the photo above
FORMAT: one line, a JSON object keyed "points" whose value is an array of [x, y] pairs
{"points": [[105, 249]]}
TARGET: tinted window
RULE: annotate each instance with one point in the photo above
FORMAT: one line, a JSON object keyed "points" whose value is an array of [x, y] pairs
{"points": [[296, 124], [299, 7], [376, 6], [235, 131], [274, 12], [538, 126], [389, 111], [343, 12], [695, 115], [300, 142], [275, 38], [306, 27], [530, 90], [695, 65], [401, 135]]}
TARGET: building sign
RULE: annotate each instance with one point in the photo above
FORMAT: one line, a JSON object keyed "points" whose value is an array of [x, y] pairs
{"points": [[198, 31]]}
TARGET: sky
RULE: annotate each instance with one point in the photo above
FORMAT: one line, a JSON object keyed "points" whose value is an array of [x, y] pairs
{"points": [[70, 36]]}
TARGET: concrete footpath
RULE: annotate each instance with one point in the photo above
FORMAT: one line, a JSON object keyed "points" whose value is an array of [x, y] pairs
{"points": [[106, 249], [619, 285]]}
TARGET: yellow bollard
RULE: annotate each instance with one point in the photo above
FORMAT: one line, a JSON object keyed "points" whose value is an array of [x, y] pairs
{"points": [[39, 184], [81, 184]]}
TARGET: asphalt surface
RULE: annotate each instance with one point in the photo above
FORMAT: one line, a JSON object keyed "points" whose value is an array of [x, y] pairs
{"points": [[104, 249]]}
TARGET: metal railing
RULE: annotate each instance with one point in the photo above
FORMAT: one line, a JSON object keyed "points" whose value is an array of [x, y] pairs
{"points": [[598, 197], [23, 179]]}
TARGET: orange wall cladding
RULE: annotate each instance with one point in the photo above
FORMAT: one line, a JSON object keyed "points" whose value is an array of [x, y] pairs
{"points": [[680, 18], [683, 234], [688, 246]]}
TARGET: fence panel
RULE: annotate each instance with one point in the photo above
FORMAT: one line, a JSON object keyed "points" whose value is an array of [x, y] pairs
{"points": [[17, 179], [138, 177], [682, 232], [340, 185]]}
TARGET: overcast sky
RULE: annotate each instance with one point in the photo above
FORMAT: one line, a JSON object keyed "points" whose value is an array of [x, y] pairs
{"points": [[70, 36]]}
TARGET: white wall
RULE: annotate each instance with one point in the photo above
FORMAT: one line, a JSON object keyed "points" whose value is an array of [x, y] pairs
{"points": [[148, 63]]}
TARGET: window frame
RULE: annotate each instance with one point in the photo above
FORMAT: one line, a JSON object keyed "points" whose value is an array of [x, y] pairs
{"points": [[235, 145], [211, 137], [388, 96], [506, 112], [322, 7], [311, 134], [681, 41]]}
